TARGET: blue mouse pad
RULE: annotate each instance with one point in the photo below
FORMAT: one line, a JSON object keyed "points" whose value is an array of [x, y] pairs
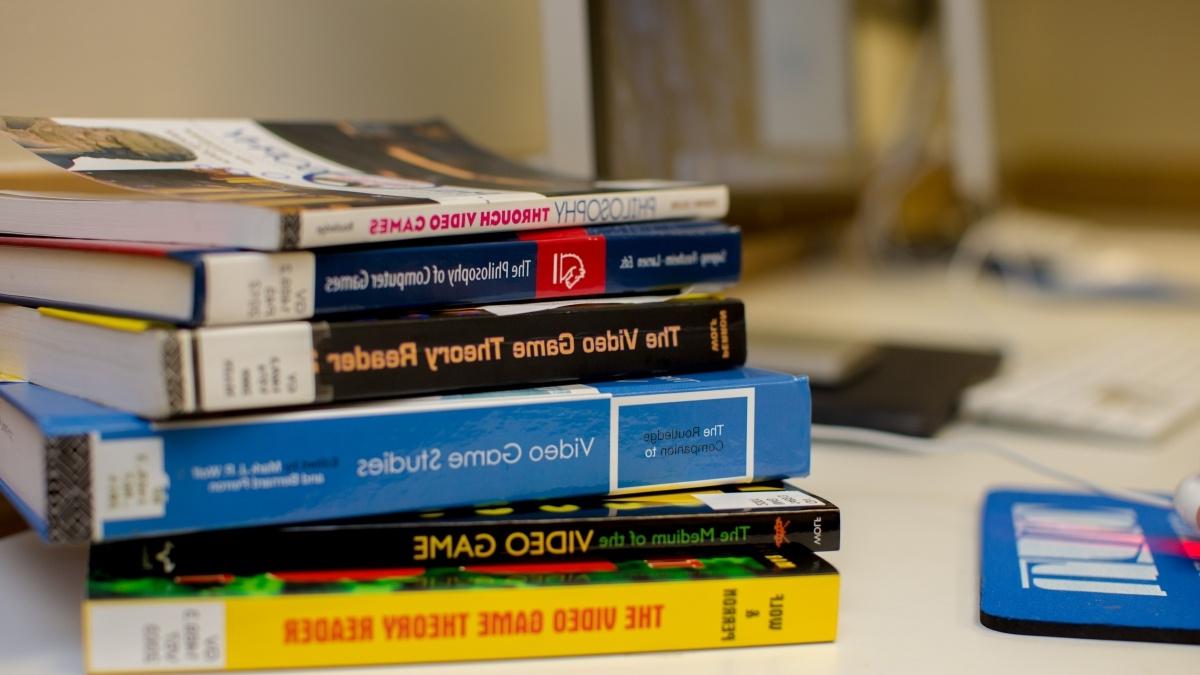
{"points": [[1084, 566]]}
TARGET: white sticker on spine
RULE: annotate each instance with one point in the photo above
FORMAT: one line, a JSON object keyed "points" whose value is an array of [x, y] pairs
{"points": [[253, 287], [124, 637], [128, 481], [255, 366], [766, 499]]}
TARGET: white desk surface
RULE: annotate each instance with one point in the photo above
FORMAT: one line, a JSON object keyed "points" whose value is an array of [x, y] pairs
{"points": [[911, 542]]}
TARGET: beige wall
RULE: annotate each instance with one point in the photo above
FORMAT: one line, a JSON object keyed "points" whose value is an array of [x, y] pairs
{"points": [[477, 63]]}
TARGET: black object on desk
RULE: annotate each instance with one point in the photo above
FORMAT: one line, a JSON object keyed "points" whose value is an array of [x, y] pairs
{"points": [[906, 390]]}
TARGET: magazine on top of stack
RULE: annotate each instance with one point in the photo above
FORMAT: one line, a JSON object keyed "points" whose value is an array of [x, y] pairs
{"points": [[292, 185]]}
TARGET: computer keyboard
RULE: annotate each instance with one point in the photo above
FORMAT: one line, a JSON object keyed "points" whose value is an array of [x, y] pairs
{"points": [[1136, 386]]}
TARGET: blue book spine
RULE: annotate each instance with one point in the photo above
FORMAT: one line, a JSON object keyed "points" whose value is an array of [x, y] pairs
{"points": [[240, 287], [534, 265], [418, 454]]}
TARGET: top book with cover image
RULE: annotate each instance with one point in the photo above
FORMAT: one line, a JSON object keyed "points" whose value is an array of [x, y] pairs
{"points": [[289, 185]]}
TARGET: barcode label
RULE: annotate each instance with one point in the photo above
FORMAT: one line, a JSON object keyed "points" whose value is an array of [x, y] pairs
{"points": [[123, 637]]}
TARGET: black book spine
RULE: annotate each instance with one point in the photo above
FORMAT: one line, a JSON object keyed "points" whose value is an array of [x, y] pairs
{"points": [[433, 543], [374, 359]]}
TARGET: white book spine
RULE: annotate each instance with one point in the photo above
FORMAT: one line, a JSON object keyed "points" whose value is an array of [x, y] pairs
{"points": [[121, 637], [254, 366], [258, 287], [389, 223]]}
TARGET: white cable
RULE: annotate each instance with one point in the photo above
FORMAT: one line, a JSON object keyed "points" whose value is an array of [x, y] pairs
{"points": [[827, 433]]}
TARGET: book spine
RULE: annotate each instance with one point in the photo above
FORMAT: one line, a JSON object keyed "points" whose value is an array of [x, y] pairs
{"points": [[455, 625], [576, 343], [454, 452], [252, 366], [298, 363], [249, 287], [422, 543], [574, 262], [319, 228]]}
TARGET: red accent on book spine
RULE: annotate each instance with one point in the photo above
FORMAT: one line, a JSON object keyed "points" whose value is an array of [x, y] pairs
{"points": [[558, 567], [569, 266], [328, 576], [128, 247]]}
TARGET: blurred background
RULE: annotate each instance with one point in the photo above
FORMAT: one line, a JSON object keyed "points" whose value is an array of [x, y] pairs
{"points": [[874, 130], [897, 117], [936, 196]]}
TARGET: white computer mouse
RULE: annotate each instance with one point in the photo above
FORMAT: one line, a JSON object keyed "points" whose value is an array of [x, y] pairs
{"points": [[1187, 500]]}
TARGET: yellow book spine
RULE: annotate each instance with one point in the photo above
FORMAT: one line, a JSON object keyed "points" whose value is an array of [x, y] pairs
{"points": [[456, 625]]}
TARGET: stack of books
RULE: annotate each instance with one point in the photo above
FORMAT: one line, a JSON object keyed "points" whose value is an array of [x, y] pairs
{"points": [[341, 394]]}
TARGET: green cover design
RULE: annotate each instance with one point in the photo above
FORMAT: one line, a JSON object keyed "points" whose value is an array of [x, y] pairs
{"points": [[437, 578]]}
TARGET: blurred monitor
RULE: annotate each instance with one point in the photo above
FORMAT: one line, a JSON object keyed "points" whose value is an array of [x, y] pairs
{"points": [[754, 94]]}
